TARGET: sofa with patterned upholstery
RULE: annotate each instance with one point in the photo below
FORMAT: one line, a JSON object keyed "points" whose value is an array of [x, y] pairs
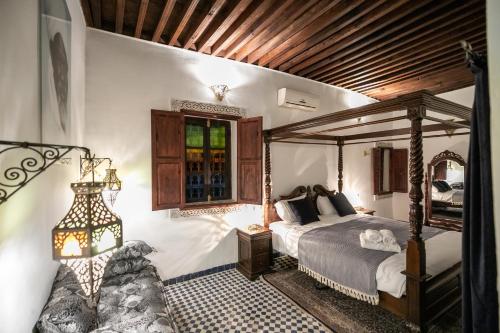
{"points": [[131, 299]]}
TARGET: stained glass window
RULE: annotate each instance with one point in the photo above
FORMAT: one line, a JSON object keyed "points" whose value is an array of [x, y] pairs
{"points": [[208, 171]]}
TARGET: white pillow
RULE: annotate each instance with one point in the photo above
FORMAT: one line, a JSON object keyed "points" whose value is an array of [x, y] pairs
{"points": [[325, 206], [434, 189], [284, 211]]}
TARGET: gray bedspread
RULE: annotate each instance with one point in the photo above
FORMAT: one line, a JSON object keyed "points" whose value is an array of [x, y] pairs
{"points": [[334, 256]]}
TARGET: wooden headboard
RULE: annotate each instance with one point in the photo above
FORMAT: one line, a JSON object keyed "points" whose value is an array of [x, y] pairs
{"points": [[296, 192]]}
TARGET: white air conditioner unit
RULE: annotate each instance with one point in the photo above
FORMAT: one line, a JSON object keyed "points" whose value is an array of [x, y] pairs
{"points": [[297, 100]]}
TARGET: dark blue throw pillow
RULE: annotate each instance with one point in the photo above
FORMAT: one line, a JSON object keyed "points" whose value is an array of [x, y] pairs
{"points": [[445, 185], [341, 204], [441, 185], [304, 210]]}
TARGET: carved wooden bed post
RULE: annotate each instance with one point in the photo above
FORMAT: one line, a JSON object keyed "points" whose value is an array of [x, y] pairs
{"points": [[415, 253], [340, 144], [267, 182]]}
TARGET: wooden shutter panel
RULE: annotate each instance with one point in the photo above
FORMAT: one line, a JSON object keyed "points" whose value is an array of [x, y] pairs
{"points": [[399, 170], [250, 160], [167, 142], [376, 161]]}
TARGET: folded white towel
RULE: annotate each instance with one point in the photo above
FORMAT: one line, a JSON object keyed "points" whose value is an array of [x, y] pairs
{"points": [[388, 236], [373, 235], [380, 246]]}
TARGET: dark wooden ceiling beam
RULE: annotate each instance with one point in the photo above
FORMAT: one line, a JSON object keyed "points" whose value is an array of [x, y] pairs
{"points": [[186, 16], [421, 69], [442, 65], [207, 41], [452, 78], [392, 38], [343, 21], [311, 31], [96, 12], [258, 26], [449, 54], [410, 62], [401, 52], [241, 25], [398, 87], [87, 13], [143, 8], [120, 12], [299, 24], [296, 10], [167, 10], [376, 30], [360, 29], [191, 40], [431, 80]]}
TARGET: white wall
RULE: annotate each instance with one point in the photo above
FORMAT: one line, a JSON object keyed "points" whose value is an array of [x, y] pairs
{"points": [[493, 31], [27, 268], [126, 78]]}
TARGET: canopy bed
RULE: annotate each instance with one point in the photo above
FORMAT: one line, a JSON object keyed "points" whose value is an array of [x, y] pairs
{"points": [[425, 297]]}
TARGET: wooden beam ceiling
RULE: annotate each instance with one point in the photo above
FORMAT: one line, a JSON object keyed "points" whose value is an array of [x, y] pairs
{"points": [[143, 8], [379, 48]]}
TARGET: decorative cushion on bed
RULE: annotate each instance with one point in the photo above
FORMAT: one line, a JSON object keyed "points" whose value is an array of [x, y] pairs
{"points": [[284, 211], [445, 185], [132, 249], [438, 185], [341, 204], [325, 206], [124, 266], [304, 210], [67, 309]]}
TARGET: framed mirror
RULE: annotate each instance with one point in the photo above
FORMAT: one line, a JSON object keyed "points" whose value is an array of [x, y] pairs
{"points": [[444, 191]]}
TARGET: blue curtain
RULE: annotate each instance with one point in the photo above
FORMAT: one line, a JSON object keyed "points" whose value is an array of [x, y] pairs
{"points": [[479, 292]]}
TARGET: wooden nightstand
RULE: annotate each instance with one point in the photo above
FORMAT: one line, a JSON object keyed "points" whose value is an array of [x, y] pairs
{"points": [[255, 252], [364, 210]]}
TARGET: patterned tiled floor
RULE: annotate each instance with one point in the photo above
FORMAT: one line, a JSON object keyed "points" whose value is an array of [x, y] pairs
{"points": [[228, 302]]}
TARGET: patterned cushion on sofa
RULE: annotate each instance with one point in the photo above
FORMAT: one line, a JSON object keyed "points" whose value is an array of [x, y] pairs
{"points": [[132, 249], [148, 323], [124, 266], [67, 309], [134, 302]]}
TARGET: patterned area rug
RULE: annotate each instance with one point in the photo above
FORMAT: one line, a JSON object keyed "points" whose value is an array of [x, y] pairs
{"points": [[342, 313], [228, 302]]}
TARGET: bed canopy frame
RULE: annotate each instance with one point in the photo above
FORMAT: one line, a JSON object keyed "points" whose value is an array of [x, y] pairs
{"points": [[427, 297]]}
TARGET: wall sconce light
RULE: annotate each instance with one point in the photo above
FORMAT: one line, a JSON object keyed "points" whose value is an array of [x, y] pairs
{"points": [[219, 91], [84, 238], [112, 186]]}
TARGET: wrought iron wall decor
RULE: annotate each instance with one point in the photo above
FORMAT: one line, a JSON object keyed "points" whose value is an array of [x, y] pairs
{"points": [[41, 157]]}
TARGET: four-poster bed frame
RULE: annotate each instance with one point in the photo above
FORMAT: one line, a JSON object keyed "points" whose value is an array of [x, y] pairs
{"points": [[427, 297]]}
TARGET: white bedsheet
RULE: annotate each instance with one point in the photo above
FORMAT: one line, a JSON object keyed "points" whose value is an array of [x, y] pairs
{"points": [[443, 251], [451, 196]]}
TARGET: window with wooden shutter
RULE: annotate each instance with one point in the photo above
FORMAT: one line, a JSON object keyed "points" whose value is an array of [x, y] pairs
{"points": [[167, 143], [399, 170], [250, 160], [191, 160], [390, 170]]}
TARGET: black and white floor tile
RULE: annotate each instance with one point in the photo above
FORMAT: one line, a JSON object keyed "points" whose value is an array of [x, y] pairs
{"points": [[228, 302]]}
